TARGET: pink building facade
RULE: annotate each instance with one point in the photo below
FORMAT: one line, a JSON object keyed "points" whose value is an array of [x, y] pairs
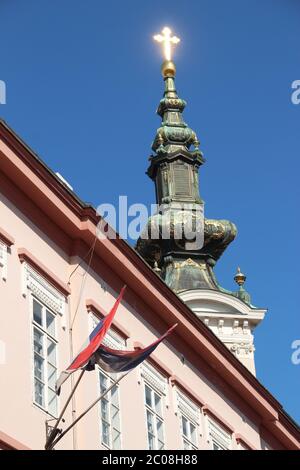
{"points": [[193, 393]]}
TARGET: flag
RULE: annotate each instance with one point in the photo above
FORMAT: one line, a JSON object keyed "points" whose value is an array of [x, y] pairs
{"points": [[94, 341], [114, 360]]}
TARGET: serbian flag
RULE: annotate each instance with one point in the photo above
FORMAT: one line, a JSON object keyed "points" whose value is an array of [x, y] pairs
{"points": [[94, 341], [114, 360]]}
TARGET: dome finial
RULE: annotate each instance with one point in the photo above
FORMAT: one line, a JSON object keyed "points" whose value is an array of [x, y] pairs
{"points": [[241, 294], [167, 40], [240, 278]]}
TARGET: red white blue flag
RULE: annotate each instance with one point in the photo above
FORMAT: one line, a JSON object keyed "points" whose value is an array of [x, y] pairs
{"points": [[94, 341], [114, 360]]}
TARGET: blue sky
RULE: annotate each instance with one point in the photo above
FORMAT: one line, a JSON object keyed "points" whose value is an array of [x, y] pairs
{"points": [[83, 82]]}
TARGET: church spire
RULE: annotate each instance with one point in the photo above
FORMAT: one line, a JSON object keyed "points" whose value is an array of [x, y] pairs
{"points": [[174, 132], [171, 106], [174, 168], [187, 264], [174, 139]]}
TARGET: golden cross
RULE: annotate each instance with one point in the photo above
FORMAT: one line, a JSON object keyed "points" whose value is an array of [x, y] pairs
{"points": [[167, 41]]}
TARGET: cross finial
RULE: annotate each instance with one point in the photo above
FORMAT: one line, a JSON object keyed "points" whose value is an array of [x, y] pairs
{"points": [[167, 40]]}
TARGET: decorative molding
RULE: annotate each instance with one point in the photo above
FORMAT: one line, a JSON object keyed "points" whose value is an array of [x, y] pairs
{"points": [[26, 257], [219, 434], [154, 378], [185, 389], [231, 320], [220, 325], [114, 341], [187, 407], [235, 305], [207, 410], [189, 262], [41, 289], [242, 349], [3, 260]]}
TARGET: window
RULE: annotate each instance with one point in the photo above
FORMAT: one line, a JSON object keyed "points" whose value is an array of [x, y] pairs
{"points": [[155, 432], [110, 426], [110, 413], [182, 180], [189, 434], [217, 446], [44, 357], [155, 394], [220, 438], [189, 415]]}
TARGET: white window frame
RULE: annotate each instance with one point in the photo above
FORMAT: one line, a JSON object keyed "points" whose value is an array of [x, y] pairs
{"points": [[158, 385], [115, 341], [187, 440], [156, 417], [218, 435], [35, 285], [188, 410], [46, 335], [108, 398]]}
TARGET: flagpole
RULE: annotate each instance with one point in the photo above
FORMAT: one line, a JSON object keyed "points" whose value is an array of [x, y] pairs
{"points": [[52, 444], [52, 435]]}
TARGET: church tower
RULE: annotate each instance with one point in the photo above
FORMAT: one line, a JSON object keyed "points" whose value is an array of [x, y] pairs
{"points": [[180, 244]]}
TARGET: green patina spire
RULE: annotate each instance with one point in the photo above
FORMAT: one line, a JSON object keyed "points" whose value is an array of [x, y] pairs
{"points": [[174, 133], [174, 142], [174, 168]]}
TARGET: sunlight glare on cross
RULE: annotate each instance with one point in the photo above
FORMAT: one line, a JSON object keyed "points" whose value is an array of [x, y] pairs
{"points": [[167, 41]]}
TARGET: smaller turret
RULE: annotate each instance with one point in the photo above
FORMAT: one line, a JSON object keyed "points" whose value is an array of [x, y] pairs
{"points": [[242, 294]]}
